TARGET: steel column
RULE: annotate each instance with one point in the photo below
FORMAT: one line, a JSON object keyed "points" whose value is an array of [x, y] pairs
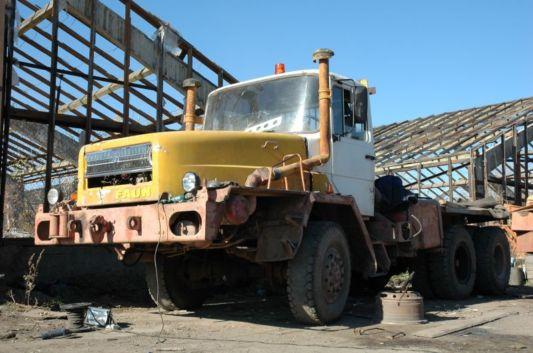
{"points": [[90, 77], [220, 78], [526, 159], [450, 180], [52, 105], [516, 169], [127, 44], [161, 51], [9, 36], [504, 167]]}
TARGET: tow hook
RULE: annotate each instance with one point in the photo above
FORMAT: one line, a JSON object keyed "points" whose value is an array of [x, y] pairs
{"points": [[98, 226], [135, 223]]}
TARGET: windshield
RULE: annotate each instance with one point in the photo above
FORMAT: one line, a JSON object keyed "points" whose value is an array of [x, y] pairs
{"points": [[287, 104]]}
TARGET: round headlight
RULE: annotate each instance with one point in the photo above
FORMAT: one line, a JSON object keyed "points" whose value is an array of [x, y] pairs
{"points": [[52, 196], [190, 182]]}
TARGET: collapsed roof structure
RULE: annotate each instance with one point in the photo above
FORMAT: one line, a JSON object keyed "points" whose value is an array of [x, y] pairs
{"points": [[462, 155], [116, 68], [79, 71]]}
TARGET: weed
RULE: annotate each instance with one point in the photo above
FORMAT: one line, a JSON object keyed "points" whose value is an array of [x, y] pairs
{"points": [[31, 277]]}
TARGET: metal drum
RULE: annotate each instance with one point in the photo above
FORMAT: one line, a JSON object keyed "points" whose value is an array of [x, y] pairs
{"points": [[400, 308]]}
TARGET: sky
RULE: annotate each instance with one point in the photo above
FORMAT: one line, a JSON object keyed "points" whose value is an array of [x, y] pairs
{"points": [[424, 57]]}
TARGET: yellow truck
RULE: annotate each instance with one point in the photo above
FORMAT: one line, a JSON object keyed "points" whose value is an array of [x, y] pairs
{"points": [[276, 179]]}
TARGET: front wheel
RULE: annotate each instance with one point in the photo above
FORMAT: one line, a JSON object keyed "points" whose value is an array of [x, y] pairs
{"points": [[170, 285], [318, 278]]}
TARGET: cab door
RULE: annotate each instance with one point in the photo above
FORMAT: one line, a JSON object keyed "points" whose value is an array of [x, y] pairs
{"points": [[353, 159]]}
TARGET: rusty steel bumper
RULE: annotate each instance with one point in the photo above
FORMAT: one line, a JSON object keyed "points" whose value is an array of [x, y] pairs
{"points": [[195, 223]]}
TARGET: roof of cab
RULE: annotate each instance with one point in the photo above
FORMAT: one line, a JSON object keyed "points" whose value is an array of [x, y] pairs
{"points": [[277, 76]]}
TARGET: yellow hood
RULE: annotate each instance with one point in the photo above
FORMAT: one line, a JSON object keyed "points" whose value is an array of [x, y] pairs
{"points": [[221, 155]]}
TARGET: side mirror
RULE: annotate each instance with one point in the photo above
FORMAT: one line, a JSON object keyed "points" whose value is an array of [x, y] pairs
{"points": [[360, 104]]}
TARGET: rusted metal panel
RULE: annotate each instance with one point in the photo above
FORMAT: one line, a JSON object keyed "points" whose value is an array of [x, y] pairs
{"points": [[150, 223], [521, 221], [281, 231], [357, 224], [524, 242], [428, 213]]}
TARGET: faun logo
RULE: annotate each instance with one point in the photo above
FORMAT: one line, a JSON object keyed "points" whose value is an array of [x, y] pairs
{"points": [[135, 193]]}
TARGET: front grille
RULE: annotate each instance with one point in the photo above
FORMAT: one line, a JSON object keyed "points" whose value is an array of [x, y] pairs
{"points": [[119, 161]]}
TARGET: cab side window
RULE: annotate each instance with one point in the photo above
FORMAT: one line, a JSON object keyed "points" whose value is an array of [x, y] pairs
{"points": [[350, 112]]}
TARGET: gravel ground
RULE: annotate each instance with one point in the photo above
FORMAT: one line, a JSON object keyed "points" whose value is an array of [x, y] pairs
{"points": [[239, 322]]}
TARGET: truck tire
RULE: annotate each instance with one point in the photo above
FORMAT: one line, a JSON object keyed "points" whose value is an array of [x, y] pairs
{"points": [[493, 260], [452, 272], [421, 282], [318, 277], [175, 292]]}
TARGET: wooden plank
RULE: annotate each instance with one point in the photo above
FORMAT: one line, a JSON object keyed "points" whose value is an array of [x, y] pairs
{"points": [[110, 25], [73, 121], [36, 18], [107, 89], [449, 327]]}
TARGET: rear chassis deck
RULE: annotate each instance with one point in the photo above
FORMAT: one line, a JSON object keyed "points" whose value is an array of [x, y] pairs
{"points": [[207, 211]]}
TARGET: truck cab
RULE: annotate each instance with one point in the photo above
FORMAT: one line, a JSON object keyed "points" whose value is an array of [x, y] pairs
{"points": [[288, 103]]}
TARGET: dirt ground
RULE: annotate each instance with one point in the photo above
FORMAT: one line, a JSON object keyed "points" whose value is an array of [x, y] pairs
{"points": [[249, 322]]}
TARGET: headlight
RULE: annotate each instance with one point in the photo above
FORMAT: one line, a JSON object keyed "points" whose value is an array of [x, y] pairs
{"points": [[190, 182], [52, 196]]}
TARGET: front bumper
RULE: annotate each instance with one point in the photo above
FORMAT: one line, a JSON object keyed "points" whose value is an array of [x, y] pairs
{"points": [[195, 223]]}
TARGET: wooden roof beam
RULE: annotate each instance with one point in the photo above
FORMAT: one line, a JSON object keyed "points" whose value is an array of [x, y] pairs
{"points": [[37, 17]]}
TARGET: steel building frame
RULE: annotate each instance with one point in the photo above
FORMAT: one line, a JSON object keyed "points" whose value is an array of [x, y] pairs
{"points": [[113, 70], [463, 155], [88, 71]]}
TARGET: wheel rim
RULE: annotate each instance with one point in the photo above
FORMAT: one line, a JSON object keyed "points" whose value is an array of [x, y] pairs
{"points": [[498, 264], [462, 264], [333, 275]]}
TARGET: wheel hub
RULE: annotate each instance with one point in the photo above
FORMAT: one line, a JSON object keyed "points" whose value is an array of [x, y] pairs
{"points": [[462, 264], [499, 261], [333, 275]]}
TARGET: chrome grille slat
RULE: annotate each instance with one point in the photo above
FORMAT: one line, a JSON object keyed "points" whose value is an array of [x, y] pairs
{"points": [[121, 160]]}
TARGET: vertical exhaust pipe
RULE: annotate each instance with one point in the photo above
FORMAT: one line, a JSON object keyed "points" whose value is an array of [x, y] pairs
{"points": [[261, 175], [189, 118]]}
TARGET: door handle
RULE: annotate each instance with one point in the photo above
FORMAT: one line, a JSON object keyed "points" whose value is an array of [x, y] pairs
{"points": [[370, 157]]}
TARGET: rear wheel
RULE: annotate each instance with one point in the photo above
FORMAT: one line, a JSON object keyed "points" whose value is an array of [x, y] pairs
{"points": [[493, 260], [170, 286], [452, 272], [421, 281], [370, 286], [318, 278]]}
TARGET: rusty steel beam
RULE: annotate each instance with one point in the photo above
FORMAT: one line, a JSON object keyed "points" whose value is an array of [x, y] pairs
{"points": [[127, 45], [52, 104], [90, 80], [66, 120], [109, 25]]}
